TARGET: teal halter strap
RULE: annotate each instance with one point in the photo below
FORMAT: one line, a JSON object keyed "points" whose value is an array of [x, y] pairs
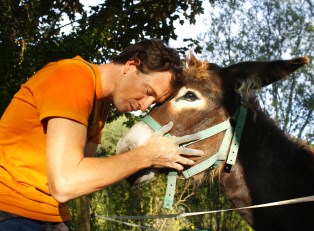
{"points": [[203, 134], [151, 122], [231, 139]]}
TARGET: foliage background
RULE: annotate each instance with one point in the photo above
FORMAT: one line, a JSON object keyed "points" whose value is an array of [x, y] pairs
{"points": [[30, 37]]}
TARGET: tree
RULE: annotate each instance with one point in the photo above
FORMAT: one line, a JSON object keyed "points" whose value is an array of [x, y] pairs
{"points": [[30, 32], [251, 30], [28, 29]]}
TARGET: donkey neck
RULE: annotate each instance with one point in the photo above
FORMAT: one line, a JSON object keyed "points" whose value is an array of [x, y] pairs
{"points": [[266, 169], [262, 135]]}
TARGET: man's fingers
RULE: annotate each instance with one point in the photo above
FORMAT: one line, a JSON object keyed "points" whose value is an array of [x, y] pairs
{"points": [[191, 152], [187, 138], [164, 129], [177, 167], [171, 155]]}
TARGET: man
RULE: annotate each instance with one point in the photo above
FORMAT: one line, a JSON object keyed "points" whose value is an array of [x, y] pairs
{"points": [[50, 131]]}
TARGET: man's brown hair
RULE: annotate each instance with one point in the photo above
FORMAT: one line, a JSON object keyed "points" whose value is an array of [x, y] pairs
{"points": [[153, 55]]}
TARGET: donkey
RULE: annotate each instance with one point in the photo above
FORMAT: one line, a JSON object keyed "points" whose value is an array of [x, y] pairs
{"points": [[270, 165]]}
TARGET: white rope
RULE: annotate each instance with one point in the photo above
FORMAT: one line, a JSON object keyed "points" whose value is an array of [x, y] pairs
{"points": [[181, 215], [125, 223]]}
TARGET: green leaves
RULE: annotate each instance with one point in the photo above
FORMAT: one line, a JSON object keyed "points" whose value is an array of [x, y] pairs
{"points": [[30, 34], [265, 30]]}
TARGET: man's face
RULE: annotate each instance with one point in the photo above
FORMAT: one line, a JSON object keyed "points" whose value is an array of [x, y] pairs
{"points": [[137, 90]]}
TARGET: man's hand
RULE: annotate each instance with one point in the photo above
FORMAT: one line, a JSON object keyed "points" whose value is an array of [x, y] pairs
{"points": [[165, 152]]}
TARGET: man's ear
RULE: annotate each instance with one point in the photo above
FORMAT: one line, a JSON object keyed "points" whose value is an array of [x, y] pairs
{"points": [[130, 64]]}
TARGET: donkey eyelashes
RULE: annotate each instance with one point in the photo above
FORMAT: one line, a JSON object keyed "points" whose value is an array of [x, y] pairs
{"points": [[188, 96]]}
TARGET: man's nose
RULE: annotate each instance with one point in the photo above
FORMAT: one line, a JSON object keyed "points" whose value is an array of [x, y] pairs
{"points": [[145, 103]]}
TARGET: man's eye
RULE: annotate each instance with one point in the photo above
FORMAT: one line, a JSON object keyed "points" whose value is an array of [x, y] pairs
{"points": [[190, 96]]}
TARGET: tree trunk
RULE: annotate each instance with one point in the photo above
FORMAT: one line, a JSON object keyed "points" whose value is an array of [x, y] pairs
{"points": [[83, 214]]}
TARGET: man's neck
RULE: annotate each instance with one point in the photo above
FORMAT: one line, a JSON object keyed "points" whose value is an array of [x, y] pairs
{"points": [[109, 75]]}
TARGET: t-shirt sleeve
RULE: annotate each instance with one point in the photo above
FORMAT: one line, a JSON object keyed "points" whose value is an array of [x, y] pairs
{"points": [[68, 92]]}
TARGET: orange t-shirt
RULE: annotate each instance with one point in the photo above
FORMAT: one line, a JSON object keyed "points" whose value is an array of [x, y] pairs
{"points": [[60, 89]]}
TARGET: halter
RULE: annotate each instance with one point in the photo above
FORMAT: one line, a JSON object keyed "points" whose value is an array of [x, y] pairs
{"points": [[231, 142]]}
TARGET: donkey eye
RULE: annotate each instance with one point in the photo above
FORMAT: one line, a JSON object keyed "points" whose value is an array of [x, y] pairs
{"points": [[190, 96]]}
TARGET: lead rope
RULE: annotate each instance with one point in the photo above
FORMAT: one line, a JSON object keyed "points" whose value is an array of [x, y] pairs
{"points": [[231, 139], [306, 199]]}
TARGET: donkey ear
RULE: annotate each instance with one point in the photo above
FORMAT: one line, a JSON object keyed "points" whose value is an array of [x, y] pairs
{"points": [[261, 74], [192, 61]]}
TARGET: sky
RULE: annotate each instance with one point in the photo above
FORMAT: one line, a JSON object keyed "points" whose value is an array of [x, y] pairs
{"points": [[191, 31]]}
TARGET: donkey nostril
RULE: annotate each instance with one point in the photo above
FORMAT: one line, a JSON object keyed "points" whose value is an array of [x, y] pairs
{"points": [[131, 146]]}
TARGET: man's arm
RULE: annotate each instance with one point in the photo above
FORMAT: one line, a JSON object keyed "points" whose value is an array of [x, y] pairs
{"points": [[71, 174]]}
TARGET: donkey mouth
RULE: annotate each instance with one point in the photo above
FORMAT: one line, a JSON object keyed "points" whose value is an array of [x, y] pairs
{"points": [[136, 137]]}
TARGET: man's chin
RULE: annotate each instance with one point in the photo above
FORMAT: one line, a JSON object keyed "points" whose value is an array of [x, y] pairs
{"points": [[121, 109], [126, 109]]}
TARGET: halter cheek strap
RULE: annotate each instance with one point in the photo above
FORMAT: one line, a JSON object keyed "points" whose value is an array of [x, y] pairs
{"points": [[231, 139]]}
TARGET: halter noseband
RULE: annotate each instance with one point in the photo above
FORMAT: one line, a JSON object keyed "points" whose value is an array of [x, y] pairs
{"points": [[231, 142]]}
